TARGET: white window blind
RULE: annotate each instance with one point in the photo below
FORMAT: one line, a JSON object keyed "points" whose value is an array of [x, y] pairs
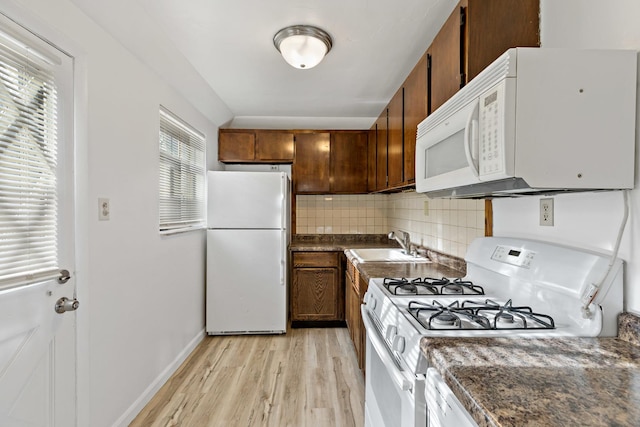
{"points": [[28, 157], [182, 172]]}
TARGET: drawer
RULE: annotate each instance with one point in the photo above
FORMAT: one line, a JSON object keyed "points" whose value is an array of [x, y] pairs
{"points": [[316, 259]]}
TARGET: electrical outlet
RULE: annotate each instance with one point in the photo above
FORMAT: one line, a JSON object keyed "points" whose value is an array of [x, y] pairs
{"points": [[546, 212], [104, 209]]}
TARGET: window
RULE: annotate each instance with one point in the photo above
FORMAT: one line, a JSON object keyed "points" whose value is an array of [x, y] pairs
{"points": [[182, 174], [28, 163]]}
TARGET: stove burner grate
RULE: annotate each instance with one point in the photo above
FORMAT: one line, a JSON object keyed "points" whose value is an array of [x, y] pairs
{"points": [[509, 317], [475, 315], [431, 286], [439, 316]]}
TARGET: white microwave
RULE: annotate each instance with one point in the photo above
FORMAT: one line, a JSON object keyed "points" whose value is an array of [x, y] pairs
{"points": [[536, 120]]}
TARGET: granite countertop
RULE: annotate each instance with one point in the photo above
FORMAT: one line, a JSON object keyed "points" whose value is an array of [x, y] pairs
{"points": [[442, 265], [339, 242], [543, 382], [369, 270]]}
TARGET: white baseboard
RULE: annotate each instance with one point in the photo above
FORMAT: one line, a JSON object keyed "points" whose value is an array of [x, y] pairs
{"points": [[156, 384]]}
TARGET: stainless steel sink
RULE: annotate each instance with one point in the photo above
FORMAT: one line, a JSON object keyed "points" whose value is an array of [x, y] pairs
{"points": [[385, 254]]}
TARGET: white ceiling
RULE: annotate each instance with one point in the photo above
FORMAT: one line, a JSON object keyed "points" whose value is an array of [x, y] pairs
{"points": [[228, 44]]}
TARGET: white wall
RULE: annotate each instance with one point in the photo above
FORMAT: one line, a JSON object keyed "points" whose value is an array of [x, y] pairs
{"points": [[142, 295], [588, 220]]}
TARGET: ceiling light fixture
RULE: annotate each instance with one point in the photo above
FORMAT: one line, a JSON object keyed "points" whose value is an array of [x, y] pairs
{"points": [[302, 46]]}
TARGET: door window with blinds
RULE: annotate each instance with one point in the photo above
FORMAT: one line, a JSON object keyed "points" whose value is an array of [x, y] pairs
{"points": [[29, 127], [182, 175]]}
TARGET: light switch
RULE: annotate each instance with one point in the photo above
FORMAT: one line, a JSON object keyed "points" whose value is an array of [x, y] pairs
{"points": [[104, 209]]}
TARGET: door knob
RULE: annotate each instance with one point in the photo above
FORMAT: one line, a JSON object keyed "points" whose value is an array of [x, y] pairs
{"points": [[65, 304]]}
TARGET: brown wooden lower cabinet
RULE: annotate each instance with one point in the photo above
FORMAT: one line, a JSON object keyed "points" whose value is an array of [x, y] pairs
{"points": [[317, 289], [355, 288]]}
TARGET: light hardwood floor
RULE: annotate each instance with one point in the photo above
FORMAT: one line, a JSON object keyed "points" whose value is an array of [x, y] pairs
{"points": [[308, 377]]}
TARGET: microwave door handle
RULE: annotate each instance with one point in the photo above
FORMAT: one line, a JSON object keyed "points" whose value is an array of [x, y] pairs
{"points": [[471, 140]]}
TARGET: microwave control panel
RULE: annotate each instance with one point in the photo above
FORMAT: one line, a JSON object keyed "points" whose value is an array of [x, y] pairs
{"points": [[513, 256], [491, 133]]}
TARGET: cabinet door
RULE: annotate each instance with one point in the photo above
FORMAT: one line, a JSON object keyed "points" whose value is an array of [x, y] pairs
{"points": [[311, 166], [349, 162], [315, 294], [381, 151], [276, 147], [348, 303], [395, 135], [236, 146], [354, 308], [446, 59], [371, 155], [493, 26], [415, 111]]}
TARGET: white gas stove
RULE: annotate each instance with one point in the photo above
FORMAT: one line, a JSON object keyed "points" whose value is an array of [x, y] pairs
{"points": [[513, 287]]}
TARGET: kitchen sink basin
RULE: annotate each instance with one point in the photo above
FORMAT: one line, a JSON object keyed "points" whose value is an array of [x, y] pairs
{"points": [[385, 254]]}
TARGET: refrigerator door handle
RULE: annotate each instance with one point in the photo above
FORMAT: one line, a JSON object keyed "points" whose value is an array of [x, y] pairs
{"points": [[283, 183], [283, 257]]}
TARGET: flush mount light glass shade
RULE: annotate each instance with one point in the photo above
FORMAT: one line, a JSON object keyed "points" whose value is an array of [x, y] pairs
{"points": [[302, 46]]}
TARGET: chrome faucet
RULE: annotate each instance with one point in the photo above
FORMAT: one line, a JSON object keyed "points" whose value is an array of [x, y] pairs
{"points": [[405, 241]]}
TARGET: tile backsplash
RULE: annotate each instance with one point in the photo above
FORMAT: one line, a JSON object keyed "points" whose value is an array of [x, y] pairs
{"points": [[446, 225], [341, 214]]}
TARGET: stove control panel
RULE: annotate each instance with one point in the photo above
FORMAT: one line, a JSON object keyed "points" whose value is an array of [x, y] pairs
{"points": [[514, 256]]}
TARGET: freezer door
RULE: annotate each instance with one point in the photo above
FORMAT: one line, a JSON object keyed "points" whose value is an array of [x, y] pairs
{"points": [[247, 199], [246, 281]]}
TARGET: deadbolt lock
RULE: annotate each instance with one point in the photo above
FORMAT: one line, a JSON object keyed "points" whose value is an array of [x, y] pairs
{"points": [[64, 276]]}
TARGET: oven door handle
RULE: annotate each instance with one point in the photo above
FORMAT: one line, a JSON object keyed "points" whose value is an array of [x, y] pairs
{"points": [[396, 373]]}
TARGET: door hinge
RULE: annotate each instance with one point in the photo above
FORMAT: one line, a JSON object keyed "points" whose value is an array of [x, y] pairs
{"points": [[463, 16]]}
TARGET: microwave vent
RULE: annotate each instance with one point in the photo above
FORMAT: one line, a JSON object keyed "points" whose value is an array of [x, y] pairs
{"points": [[503, 67]]}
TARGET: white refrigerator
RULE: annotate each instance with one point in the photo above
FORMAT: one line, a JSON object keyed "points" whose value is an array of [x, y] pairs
{"points": [[247, 249]]}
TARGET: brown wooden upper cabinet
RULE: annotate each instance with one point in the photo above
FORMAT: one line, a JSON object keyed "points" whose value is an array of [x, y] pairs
{"points": [[252, 146], [381, 151], [474, 35], [395, 131], [311, 167], [349, 152], [446, 53], [493, 26], [331, 162], [372, 152], [415, 110], [395, 141]]}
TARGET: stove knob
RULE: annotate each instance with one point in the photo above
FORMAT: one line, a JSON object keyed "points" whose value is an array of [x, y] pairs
{"points": [[392, 331], [398, 343], [372, 302]]}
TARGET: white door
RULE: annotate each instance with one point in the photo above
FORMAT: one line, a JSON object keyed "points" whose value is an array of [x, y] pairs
{"points": [[37, 344]]}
